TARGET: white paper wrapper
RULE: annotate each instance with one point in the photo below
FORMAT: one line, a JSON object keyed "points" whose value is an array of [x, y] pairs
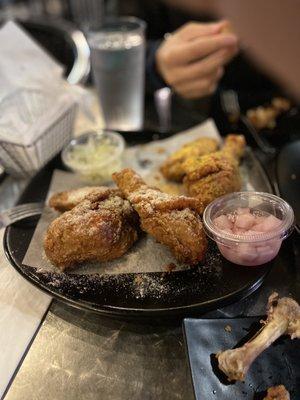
{"points": [[33, 92], [146, 255], [34, 65]]}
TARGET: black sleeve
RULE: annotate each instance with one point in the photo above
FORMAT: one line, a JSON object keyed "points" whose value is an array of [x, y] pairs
{"points": [[153, 79]]}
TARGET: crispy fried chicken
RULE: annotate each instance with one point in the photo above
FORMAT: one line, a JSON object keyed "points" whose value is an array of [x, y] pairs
{"points": [[102, 227], [172, 168], [65, 201], [215, 174], [171, 220], [277, 393]]}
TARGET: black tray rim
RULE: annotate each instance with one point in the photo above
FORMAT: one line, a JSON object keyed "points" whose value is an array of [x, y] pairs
{"points": [[117, 311], [146, 312]]}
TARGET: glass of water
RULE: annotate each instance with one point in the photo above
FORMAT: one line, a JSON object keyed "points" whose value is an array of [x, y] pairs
{"points": [[118, 68]]}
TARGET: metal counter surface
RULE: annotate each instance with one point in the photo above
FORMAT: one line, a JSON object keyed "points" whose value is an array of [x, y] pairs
{"points": [[77, 355], [81, 355]]}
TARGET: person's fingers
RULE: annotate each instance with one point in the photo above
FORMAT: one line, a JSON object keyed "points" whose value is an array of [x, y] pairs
{"points": [[200, 68], [210, 63], [184, 53], [201, 87], [197, 92], [220, 73], [193, 30], [200, 83]]}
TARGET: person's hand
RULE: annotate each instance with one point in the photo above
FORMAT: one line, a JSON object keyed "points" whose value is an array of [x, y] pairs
{"points": [[191, 61]]}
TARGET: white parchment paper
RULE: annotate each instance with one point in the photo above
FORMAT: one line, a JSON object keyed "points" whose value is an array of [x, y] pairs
{"points": [[146, 255]]}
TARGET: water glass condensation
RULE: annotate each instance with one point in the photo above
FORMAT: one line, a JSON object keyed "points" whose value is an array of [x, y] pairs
{"points": [[118, 68]]}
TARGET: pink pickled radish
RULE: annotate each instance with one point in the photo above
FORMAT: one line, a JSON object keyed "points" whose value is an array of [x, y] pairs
{"points": [[244, 221], [250, 232], [275, 244], [259, 219], [247, 252], [269, 224], [239, 231], [264, 249], [222, 222], [242, 210]]}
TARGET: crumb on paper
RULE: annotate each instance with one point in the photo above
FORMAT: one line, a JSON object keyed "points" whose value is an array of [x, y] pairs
{"points": [[138, 279], [160, 150], [170, 267], [157, 177], [145, 163], [228, 328]]}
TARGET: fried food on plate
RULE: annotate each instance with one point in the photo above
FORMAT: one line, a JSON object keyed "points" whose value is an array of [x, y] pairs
{"points": [[265, 116], [283, 319], [234, 146], [65, 201], [102, 227], [211, 176], [277, 393], [172, 167], [215, 174], [171, 220]]}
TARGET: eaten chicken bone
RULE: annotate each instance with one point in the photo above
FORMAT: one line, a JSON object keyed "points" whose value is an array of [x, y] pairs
{"points": [[283, 318], [277, 393]]}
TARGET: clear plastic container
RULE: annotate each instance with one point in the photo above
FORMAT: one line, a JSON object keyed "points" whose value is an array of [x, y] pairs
{"points": [[95, 156], [249, 246]]}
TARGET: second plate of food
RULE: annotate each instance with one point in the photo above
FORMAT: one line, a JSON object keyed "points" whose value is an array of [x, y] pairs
{"points": [[276, 369]]}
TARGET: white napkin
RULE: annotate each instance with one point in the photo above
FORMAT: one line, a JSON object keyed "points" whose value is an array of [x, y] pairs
{"points": [[22, 307], [33, 91], [34, 65]]}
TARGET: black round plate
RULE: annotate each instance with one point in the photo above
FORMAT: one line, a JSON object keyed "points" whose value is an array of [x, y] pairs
{"points": [[214, 284]]}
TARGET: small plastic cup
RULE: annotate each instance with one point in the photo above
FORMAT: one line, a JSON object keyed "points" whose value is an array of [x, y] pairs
{"points": [[95, 156], [249, 248]]}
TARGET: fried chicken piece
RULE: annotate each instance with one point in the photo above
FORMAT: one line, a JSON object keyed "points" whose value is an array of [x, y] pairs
{"points": [[232, 151], [234, 146], [172, 167], [65, 201], [211, 176], [281, 104], [265, 116], [171, 220], [215, 174], [102, 227], [277, 393], [262, 117], [283, 319]]}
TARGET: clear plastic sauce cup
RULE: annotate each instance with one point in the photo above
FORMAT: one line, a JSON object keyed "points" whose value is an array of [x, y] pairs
{"points": [[248, 227], [95, 156]]}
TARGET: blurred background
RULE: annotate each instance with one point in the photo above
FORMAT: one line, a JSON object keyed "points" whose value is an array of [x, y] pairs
{"points": [[53, 23]]}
